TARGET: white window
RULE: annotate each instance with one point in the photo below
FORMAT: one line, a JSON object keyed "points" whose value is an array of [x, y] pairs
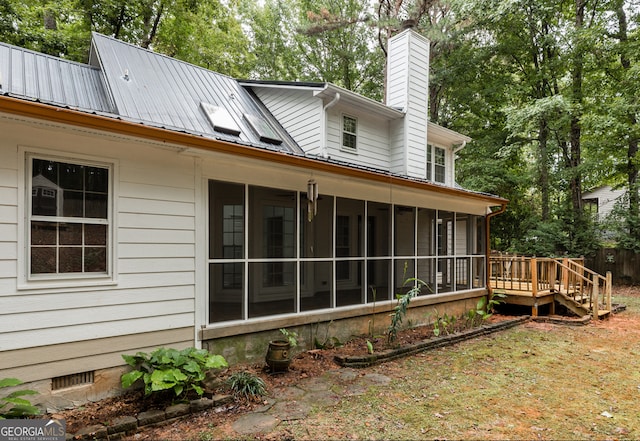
{"points": [[436, 164], [349, 132], [68, 229]]}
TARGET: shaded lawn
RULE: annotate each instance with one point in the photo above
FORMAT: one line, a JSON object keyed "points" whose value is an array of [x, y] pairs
{"points": [[536, 381]]}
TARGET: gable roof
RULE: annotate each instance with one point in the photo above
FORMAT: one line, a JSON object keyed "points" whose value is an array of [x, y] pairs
{"points": [[162, 91], [436, 133], [43, 86], [137, 85]]}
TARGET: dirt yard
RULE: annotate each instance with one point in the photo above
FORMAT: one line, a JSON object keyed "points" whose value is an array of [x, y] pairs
{"points": [[536, 381]]}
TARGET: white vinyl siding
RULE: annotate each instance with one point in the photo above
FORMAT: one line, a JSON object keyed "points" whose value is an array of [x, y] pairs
{"points": [[407, 89], [154, 242], [298, 112], [373, 140], [606, 198]]}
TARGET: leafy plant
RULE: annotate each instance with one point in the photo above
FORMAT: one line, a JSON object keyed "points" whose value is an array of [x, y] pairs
{"points": [[19, 407], [329, 342], [443, 324], [400, 310], [291, 336], [247, 385], [369, 347], [170, 369], [485, 307]]}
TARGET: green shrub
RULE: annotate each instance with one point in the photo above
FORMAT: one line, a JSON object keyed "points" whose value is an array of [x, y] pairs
{"points": [[20, 407], [170, 369], [247, 385]]}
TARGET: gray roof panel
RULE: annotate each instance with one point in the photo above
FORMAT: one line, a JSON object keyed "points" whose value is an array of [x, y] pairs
{"points": [[39, 77], [165, 92]]}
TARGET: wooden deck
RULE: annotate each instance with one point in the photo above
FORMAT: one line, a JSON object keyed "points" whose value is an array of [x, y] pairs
{"points": [[536, 282]]}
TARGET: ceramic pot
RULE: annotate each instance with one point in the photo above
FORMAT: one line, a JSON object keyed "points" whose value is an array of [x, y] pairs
{"points": [[279, 355]]}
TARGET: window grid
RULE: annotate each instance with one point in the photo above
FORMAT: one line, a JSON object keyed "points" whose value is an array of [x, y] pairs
{"points": [[349, 132], [68, 233]]}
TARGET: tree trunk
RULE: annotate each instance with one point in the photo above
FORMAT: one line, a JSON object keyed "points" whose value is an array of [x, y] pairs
{"points": [[118, 24], [575, 185], [543, 167], [154, 29], [632, 146]]}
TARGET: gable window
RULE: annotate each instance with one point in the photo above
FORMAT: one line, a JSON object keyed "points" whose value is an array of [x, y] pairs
{"points": [[436, 164], [349, 132], [68, 218]]}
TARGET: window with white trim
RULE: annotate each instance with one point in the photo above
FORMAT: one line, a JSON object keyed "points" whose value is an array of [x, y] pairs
{"points": [[436, 165], [349, 132], [68, 215]]}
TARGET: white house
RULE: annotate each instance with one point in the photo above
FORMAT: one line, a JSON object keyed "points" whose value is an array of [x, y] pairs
{"points": [[601, 200], [147, 202]]}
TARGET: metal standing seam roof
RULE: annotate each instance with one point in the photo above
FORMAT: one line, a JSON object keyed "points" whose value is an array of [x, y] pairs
{"points": [[165, 92], [39, 77], [133, 84]]}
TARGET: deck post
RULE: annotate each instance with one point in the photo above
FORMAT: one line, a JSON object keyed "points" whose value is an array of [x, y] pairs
{"points": [[565, 275], [534, 285], [595, 293], [608, 292], [534, 276]]}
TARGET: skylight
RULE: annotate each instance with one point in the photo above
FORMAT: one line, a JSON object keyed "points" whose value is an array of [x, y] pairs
{"points": [[263, 129], [220, 119]]}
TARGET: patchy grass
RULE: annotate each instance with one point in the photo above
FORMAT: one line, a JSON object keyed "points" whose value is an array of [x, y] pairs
{"points": [[537, 381]]}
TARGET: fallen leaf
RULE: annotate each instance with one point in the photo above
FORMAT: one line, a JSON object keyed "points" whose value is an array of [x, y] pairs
{"points": [[606, 414]]}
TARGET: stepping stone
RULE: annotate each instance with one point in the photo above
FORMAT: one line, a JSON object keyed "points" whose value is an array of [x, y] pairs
{"points": [[290, 410], [255, 423]]}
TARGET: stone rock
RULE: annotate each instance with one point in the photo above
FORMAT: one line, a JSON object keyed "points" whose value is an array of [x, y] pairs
{"points": [[123, 424], [97, 431], [177, 410], [151, 417]]}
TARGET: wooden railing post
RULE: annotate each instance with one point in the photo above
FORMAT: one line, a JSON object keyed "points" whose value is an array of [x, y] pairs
{"points": [[608, 292], [565, 275], [595, 293], [534, 276]]}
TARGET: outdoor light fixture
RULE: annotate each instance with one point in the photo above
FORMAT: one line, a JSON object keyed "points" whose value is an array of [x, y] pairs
{"points": [[312, 199]]}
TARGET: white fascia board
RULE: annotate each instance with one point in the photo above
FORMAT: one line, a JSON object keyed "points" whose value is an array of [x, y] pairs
{"points": [[445, 137], [359, 101]]}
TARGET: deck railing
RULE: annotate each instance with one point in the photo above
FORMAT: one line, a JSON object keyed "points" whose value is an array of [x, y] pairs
{"points": [[545, 275]]}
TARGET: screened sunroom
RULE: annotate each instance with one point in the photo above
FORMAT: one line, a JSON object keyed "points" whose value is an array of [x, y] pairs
{"points": [[274, 251]]}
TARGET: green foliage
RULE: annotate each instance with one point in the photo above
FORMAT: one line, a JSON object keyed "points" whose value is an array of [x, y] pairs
{"points": [[247, 385], [170, 369], [443, 324], [369, 347], [291, 336], [623, 223], [329, 341], [13, 405], [400, 310]]}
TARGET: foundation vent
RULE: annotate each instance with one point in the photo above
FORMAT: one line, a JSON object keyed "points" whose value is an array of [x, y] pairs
{"points": [[72, 380]]}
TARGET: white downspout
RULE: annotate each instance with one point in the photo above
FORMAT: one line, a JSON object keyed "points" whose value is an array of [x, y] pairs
{"points": [[454, 151], [323, 132]]}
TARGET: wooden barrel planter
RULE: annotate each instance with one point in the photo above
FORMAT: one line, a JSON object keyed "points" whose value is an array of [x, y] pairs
{"points": [[279, 355]]}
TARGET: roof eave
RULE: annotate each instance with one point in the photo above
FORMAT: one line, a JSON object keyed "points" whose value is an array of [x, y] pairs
{"points": [[110, 124]]}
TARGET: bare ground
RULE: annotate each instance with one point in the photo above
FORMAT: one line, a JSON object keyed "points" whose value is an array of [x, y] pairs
{"points": [[540, 381]]}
